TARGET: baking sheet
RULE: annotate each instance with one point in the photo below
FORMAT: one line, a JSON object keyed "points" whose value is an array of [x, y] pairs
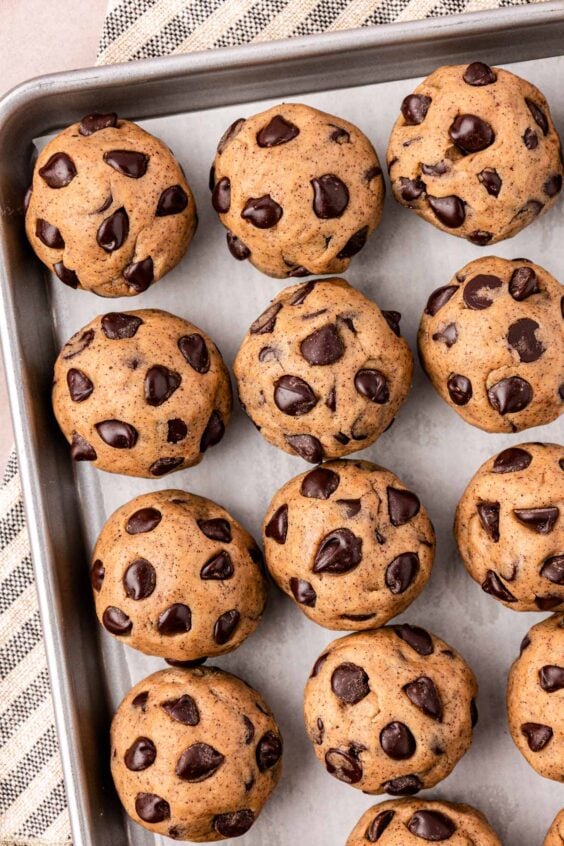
{"points": [[430, 448]]}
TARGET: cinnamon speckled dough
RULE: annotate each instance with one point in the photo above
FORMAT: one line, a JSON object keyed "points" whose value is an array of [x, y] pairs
{"points": [[349, 543], [110, 209], [141, 393], [555, 834], [322, 372], [175, 575], [509, 527], [491, 342], [298, 190], [195, 754], [391, 710], [400, 822], [475, 152], [535, 698]]}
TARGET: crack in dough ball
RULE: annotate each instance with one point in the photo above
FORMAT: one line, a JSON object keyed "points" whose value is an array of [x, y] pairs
{"points": [[323, 372], [298, 190], [535, 698], [349, 543], [491, 343], [555, 834], [109, 209], [175, 575], [142, 393], [195, 754], [475, 152], [509, 527], [391, 710]]}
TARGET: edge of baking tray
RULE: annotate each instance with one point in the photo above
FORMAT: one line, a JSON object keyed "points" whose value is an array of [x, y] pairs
{"points": [[396, 50]]}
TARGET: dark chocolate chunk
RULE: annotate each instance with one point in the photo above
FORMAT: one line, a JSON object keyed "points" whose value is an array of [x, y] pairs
{"points": [[403, 505], [431, 825], [173, 200], [320, 483], [225, 626], [277, 526], [113, 231], [294, 396], [330, 196], [176, 619], [339, 552], [198, 762], [263, 212], [324, 346], [140, 755], [268, 751], [117, 326], [139, 579], [58, 171], [116, 621], [127, 162], [303, 592], [510, 395], [414, 108], [512, 460], [477, 292], [117, 434], [493, 585], [424, 695], [79, 385], [401, 572], [397, 741], [307, 447], [219, 567], [96, 121], [349, 683], [478, 73], [450, 211], [277, 131], [150, 807], [160, 384]]}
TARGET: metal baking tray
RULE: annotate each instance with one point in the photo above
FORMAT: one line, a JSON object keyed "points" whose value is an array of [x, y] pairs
{"points": [[188, 101]]}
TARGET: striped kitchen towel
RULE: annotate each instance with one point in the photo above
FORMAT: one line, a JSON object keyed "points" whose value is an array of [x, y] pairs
{"points": [[32, 798]]}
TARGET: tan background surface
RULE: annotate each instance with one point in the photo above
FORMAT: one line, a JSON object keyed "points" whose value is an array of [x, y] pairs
{"points": [[36, 37]]}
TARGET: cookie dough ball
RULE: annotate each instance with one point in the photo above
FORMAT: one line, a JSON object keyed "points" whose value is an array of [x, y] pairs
{"points": [[195, 754], [491, 344], [555, 834], [110, 210], [349, 543], [475, 152], [535, 698], [141, 393], [509, 527], [405, 822], [175, 575], [391, 710], [322, 372], [298, 190]]}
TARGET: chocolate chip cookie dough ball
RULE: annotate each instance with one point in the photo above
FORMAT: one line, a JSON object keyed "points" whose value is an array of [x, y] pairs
{"points": [[391, 710], [349, 543], [175, 575], [141, 393], [555, 834], [509, 527], [195, 754], [401, 822], [322, 372], [535, 698], [110, 210], [491, 343], [298, 190], [475, 153]]}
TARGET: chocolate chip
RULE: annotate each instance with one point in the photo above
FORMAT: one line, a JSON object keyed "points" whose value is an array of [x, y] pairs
{"points": [[553, 185], [97, 573], [183, 710], [538, 115], [479, 73], [249, 730], [355, 244], [140, 701], [139, 579], [378, 826], [512, 460], [424, 695], [431, 825], [401, 572], [491, 180], [140, 274], [176, 430], [294, 396], [414, 108], [403, 505], [127, 162], [471, 133], [493, 585], [479, 237], [411, 189], [339, 552], [195, 662], [438, 169], [373, 385], [488, 512], [298, 271], [331, 400], [176, 619], [349, 683], [524, 644], [510, 395], [448, 336], [403, 785], [116, 621], [269, 751], [521, 336], [117, 434], [541, 520], [351, 507], [551, 678], [67, 276], [140, 755], [216, 528], [450, 211], [277, 526], [372, 172], [221, 197], [341, 438], [151, 808], [213, 433], [303, 592], [393, 318], [324, 346], [198, 762], [79, 385], [234, 823], [173, 200], [397, 741], [94, 123], [320, 483], [318, 665], [265, 323], [277, 131], [58, 171], [553, 569], [225, 626], [218, 568], [439, 298], [81, 450], [416, 637], [344, 766], [306, 446], [302, 293], [194, 349], [318, 735], [117, 326], [143, 520], [477, 292], [263, 212], [230, 133], [211, 178], [460, 389], [236, 247], [537, 735], [530, 139], [473, 713], [113, 231], [547, 603], [49, 234], [160, 384], [330, 196]]}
